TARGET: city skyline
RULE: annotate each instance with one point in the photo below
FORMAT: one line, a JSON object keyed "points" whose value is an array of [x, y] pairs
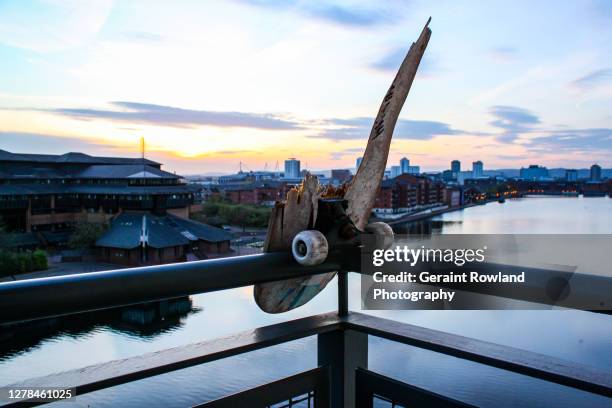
{"points": [[510, 91]]}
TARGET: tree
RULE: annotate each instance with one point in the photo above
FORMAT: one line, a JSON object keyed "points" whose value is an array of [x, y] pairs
{"points": [[85, 235]]}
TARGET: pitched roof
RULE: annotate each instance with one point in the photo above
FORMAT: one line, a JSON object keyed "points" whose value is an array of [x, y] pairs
{"points": [[124, 171], [162, 231], [71, 157], [199, 230], [124, 232]]}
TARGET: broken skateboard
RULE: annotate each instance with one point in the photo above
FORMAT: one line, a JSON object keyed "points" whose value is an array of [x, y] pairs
{"points": [[314, 218]]}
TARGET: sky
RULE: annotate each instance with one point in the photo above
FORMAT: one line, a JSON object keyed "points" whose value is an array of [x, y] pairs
{"points": [[212, 84]]}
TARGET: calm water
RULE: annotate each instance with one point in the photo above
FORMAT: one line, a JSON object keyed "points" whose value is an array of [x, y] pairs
{"points": [[573, 335]]}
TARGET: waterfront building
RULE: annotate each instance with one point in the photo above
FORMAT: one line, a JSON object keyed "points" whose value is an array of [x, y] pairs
{"points": [[595, 172], [146, 209], [453, 196], [477, 169], [404, 166], [53, 192], [144, 238], [407, 193], [292, 168], [571, 175], [534, 172]]}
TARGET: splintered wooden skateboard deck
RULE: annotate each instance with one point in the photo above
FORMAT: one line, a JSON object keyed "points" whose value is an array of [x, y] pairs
{"points": [[299, 211]]}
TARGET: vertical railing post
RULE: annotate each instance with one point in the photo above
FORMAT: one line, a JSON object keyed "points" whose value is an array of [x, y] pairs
{"points": [[342, 293], [343, 351]]}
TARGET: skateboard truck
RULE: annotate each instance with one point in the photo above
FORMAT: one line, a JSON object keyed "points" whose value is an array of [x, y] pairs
{"points": [[334, 229]]}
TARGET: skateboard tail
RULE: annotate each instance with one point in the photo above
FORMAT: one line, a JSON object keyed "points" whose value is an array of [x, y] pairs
{"points": [[300, 211], [361, 193]]}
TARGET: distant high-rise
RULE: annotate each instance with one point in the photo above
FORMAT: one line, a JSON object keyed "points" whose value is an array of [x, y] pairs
{"points": [[414, 169], [595, 172], [404, 165], [571, 175], [534, 172], [456, 167], [395, 171], [292, 168], [358, 162], [477, 168]]}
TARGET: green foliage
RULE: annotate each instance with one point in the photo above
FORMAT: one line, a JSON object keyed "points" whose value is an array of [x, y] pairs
{"points": [[39, 257], [220, 213], [12, 263], [85, 235]]}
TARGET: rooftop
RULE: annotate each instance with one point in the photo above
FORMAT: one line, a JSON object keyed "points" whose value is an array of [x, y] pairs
{"points": [[162, 231], [69, 158]]}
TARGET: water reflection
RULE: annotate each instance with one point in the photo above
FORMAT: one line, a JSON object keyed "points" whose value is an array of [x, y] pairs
{"points": [[147, 320]]}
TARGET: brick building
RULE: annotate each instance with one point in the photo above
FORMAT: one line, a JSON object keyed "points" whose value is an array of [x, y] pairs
{"points": [[144, 238], [53, 192], [261, 193], [406, 193]]}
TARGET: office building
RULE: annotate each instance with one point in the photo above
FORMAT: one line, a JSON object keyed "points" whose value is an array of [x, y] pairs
{"points": [[43, 197], [456, 167], [571, 175], [404, 166], [534, 172], [595, 172], [292, 168], [477, 169]]}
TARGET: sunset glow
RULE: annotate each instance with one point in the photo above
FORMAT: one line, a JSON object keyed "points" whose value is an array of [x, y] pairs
{"points": [[212, 84]]}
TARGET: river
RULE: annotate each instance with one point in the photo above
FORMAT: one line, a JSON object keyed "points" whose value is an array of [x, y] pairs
{"points": [[572, 335]]}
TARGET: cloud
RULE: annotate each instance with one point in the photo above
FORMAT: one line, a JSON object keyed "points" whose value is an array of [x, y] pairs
{"points": [[593, 79], [349, 16], [351, 151], [359, 128], [390, 62], [353, 16], [594, 140], [503, 54], [513, 121], [24, 142], [144, 113]]}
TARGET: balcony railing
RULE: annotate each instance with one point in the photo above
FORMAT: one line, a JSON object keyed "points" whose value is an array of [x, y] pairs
{"points": [[342, 377]]}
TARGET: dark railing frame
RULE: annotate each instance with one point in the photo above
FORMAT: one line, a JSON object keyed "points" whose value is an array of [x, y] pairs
{"points": [[342, 335], [317, 380], [370, 384]]}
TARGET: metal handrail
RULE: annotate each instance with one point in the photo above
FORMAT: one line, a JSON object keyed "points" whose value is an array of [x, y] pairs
{"points": [[60, 295], [53, 296], [68, 294]]}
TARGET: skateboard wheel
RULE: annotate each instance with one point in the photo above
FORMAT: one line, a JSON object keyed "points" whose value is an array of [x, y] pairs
{"points": [[309, 247], [384, 234]]}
